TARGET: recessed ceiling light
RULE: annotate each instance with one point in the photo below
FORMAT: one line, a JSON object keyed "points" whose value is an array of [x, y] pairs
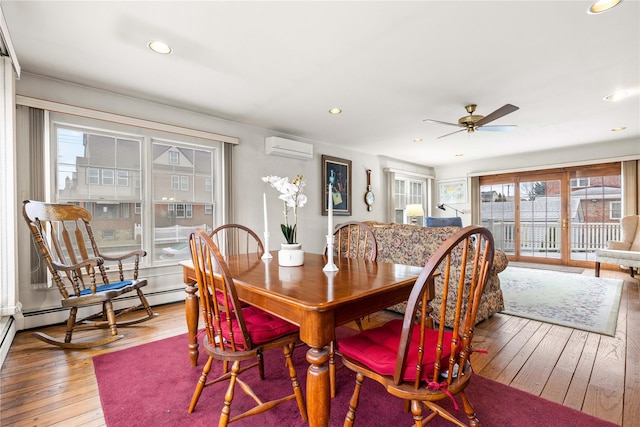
{"points": [[159, 47], [459, 154], [617, 96], [618, 129], [417, 139], [335, 111], [602, 6]]}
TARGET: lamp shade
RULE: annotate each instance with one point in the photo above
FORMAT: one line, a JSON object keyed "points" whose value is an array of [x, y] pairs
{"points": [[415, 210]]}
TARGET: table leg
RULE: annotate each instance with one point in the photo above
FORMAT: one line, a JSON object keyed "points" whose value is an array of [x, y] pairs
{"points": [[192, 315], [318, 387]]}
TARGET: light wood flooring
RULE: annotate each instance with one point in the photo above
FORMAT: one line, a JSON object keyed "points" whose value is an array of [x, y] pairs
{"points": [[44, 386]]}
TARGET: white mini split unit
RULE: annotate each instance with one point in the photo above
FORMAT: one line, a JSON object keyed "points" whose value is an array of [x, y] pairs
{"points": [[277, 146]]}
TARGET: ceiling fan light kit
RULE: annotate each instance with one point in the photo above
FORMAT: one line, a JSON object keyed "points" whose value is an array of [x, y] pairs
{"points": [[474, 122]]}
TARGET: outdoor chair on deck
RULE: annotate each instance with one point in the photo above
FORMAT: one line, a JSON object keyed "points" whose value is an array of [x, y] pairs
{"points": [[66, 242], [411, 359], [235, 333]]}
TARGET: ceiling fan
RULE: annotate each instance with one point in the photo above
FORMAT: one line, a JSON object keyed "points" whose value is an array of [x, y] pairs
{"points": [[472, 123]]}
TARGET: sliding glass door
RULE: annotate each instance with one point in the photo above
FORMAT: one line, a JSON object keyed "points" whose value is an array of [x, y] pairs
{"points": [[559, 217]]}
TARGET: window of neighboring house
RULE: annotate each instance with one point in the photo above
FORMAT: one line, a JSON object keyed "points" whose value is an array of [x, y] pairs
{"points": [[93, 176], [94, 168], [208, 209], [615, 210], [123, 178], [579, 182], [175, 182], [174, 158], [107, 177]]}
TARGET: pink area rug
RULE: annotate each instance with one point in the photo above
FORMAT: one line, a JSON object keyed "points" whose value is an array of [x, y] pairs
{"points": [[152, 384]]}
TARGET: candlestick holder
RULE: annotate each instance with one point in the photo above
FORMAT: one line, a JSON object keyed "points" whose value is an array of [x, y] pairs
{"points": [[266, 254], [330, 265]]}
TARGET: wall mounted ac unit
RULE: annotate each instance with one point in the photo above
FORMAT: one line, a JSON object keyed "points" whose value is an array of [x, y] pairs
{"points": [[288, 148]]}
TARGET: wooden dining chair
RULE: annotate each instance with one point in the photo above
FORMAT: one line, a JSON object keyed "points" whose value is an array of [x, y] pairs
{"points": [[235, 333], [355, 239], [236, 239], [66, 242], [414, 360]]}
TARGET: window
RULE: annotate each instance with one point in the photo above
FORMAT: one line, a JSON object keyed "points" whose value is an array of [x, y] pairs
{"points": [[408, 191], [579, 182], [123, 178], [107, 177], [615, 210], [175, 182], [174, 158], [95, 164], [93, 176]]}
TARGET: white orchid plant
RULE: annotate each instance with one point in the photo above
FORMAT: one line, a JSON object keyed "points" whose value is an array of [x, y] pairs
{"points": [[291, 195]]}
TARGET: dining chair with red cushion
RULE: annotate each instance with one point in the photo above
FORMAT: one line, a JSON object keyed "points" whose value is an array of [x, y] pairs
{"points": [[415, 359], [236, 333]]}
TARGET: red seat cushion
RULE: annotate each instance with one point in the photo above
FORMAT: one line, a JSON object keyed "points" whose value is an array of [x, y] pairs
{"points": [[377, 348], [262, 326]]}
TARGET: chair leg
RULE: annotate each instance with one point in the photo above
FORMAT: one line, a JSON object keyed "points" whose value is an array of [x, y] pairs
{"points": [[332, 368], [597, 269], [468, 409], [359, 323], [353, 403], [201, 384], [111, 318], [416, 411], [71, 322], [260, 364], [228, 397], [297, 390]]}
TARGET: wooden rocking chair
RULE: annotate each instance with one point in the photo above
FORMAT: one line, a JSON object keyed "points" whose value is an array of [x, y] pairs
{"points": [[64, 238]]}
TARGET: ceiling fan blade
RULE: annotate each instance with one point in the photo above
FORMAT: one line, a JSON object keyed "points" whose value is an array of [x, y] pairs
{"points": [[443, 123], [502, 111], [497, 128], [458, 131]]}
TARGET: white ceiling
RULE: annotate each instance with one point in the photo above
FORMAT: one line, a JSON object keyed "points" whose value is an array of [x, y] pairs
{"points": [[388, 65]]}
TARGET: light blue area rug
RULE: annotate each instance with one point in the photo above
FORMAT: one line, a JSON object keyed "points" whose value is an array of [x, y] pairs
{"points": [[566, 299]]}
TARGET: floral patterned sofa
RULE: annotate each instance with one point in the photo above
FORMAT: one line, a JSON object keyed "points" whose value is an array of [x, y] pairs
{"points": [[413, 245]]}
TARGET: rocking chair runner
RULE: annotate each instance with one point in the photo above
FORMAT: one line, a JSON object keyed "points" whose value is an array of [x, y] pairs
{"points": [[64, 237], [411, 359]]}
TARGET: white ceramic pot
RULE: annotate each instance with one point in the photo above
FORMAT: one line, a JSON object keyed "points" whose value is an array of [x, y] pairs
{"points": [[290, 255]]}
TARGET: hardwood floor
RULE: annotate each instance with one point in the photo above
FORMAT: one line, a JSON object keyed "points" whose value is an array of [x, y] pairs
{"points": [[41, 385]]}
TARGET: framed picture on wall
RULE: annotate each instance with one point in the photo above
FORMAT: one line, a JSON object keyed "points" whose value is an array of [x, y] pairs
{"points": [[337, 172], [452, 191]]}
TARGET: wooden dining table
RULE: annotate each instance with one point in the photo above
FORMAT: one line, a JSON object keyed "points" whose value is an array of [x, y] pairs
{"points": [[315, 300]]}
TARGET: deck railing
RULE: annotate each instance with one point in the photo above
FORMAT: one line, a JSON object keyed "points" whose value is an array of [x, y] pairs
{"points": [[541, 237]]}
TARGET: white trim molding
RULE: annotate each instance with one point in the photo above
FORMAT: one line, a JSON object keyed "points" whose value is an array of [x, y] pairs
{"points": [[44, 104]]}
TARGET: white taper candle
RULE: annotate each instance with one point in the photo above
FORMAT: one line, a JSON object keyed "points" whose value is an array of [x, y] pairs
{"points": [[264, 200], [330, 222]]}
